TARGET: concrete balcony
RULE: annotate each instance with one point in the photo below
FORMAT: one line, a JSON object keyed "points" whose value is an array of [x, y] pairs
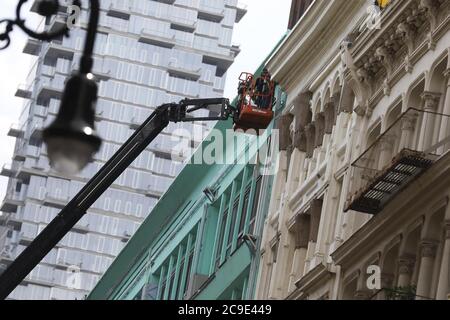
{"points": [[81, 229], [37, 127], [16, 131], [24, 173], [19, 156], [11, 220], [175, 70], [183, 25], [57, 23], [123, 14], [7, 171], [32, 47], [54, 50], [211, 14], [165, 41], [24, 240], [55, 202], [166, 1], [24, 91], [49, 91], [221, 61], [236, 49], [40, 282], [11, 203], [62, 6], [151, 193], [241, 10]]}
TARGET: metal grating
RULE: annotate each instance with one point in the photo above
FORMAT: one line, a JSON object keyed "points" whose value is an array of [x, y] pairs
{"points": [[384, 186]]}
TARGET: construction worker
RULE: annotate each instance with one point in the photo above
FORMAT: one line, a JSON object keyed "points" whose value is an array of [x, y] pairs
{"points": [[262, 90]]}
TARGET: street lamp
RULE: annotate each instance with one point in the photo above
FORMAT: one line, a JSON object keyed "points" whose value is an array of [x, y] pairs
{"points": [[71, 139]]}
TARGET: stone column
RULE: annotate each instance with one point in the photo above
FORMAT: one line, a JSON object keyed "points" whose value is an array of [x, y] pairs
{"points": [[387, 281], [444, 279], [300, 230], [320, 130], [405, 269], [428, 250], [408, 125], [310, 131], [444, 132], [362, 292], [316, 212], [329, 117], [431, 103]]}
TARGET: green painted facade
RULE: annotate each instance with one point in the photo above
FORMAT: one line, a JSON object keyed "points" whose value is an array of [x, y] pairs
{"points": [[190, 247]]}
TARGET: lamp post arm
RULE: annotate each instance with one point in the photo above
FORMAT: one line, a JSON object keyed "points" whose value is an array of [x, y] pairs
{"points": [[86, 59]]}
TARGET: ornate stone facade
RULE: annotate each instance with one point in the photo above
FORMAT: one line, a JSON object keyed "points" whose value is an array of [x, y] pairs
{"points": [[348, 85]]}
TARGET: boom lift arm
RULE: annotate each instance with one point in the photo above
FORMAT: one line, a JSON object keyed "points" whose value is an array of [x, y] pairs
{"points": [[91, 192]]}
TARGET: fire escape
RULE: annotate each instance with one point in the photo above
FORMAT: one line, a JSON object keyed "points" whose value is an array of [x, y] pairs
{"points": [[397, 158]]}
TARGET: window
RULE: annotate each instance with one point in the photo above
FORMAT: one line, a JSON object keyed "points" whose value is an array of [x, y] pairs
{"points": [[244, 213], [232, 225], [117, 205], [188, 272], [251, 227], [221, 237]]}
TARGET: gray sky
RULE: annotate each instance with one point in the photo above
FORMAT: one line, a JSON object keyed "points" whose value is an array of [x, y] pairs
{"points": [[257, 33]]}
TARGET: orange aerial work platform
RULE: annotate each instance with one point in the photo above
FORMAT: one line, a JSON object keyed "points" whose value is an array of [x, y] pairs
{"points": [[255, 102]]}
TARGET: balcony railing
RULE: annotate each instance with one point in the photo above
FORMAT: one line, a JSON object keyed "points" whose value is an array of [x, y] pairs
{"points": [[411, 145]]}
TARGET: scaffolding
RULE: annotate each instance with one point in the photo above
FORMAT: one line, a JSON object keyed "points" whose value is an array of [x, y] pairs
{"points": [[410, 146]]}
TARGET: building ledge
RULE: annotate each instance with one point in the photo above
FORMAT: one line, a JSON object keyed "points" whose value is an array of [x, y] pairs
{"points": [[54, 50], [181, 26], [315, 278], [241, 10], [10, 205], [15, 131], [211, 14], [24, 92], [155, 40], [221, 61], [54, 203], [118, 13], [184, 73], [32, 47], [7, 171]]}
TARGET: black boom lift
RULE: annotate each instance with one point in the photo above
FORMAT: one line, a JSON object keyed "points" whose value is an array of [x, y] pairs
{"points": [[89, 194]]}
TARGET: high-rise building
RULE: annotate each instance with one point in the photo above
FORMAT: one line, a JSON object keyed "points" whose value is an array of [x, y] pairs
{"points": [[147, 53]]}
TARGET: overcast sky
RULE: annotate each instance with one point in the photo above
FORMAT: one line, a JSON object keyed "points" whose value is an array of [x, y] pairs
{"points": [[257, 33]]}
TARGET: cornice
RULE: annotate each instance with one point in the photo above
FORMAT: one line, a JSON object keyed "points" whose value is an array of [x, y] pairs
{"points": [[325, 20]]}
